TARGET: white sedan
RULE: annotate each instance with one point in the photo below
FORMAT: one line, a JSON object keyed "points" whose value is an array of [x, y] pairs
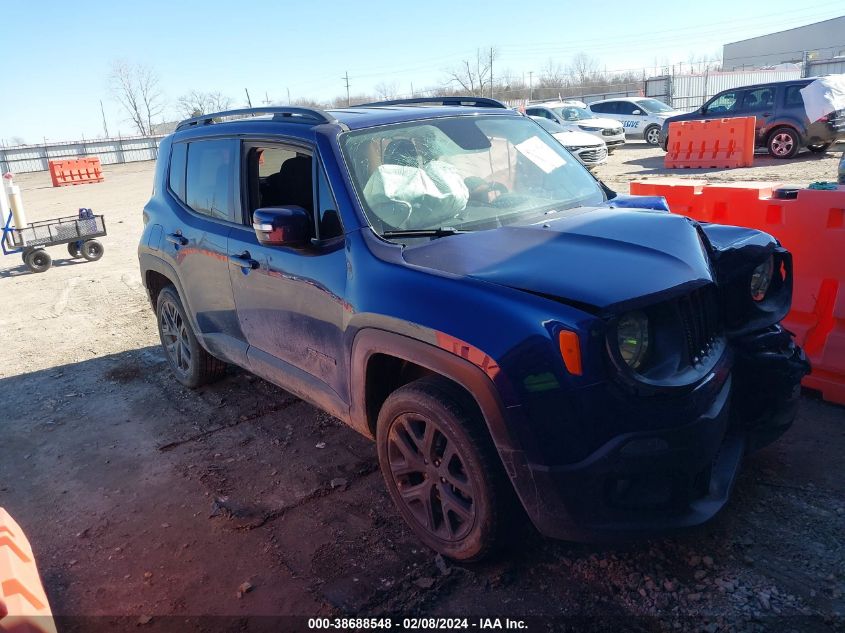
{"points": [[608, 130], [640, 116], [590, 151]]}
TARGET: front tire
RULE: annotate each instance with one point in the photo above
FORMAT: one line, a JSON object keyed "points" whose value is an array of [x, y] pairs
{"points": [[191, 364], [441, 468], [783, 143], [652, 135]]}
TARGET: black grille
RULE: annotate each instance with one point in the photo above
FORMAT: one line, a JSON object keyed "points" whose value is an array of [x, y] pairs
{"points": [[701, 321], [611, 131]]}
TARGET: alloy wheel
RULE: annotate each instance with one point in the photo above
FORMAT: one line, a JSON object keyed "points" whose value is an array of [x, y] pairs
{"points": [[652, 137], [174, 335], [431, 477], [782, 144]]}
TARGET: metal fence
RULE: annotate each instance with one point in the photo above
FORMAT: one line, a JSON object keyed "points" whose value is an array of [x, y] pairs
{"points": [[824, 67], [688, 92], [111, 151]]}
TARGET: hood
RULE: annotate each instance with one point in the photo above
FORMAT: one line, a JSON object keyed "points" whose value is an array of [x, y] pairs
{"points": [[573, 137], [599, 122], [666, 115], [594, 257]]}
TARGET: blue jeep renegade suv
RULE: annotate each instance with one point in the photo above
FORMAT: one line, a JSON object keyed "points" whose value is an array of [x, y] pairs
{"points": [[446, 279]]}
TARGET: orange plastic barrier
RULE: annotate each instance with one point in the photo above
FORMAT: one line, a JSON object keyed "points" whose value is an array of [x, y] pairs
{"points": [[812, 227], [75, 172], [722, 143], [23, 603]]}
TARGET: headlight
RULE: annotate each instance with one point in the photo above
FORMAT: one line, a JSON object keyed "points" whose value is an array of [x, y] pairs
{"points": [[572, 148], [632, 334], [761, 278], [589, 128]]}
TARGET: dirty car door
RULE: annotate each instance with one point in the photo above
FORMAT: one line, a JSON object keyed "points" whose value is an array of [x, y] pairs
{"points": [[290, 300], [201, 183]]}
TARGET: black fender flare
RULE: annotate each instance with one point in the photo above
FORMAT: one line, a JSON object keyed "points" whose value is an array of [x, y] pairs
{"points": [[371, 341], [152, 263], [498, 418]]}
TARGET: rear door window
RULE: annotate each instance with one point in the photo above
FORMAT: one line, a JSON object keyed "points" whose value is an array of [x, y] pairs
{"points": [[758, 100], [538, 112], [604, 108], [209, 183]]}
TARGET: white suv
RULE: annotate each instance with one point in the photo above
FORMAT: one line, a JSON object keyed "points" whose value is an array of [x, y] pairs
{"points": [[640, 116], [565, 113]]}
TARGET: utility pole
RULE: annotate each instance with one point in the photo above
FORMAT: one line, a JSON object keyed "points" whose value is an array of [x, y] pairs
{"points": [[248, 100], [412, 90], [266, 98], [105, 126], [530, 85], [288, 96], [346, 79], [491, 72]]}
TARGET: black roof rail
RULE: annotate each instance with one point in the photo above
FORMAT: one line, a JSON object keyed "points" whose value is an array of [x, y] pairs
{"points": [[289, 114], [478, 102]]}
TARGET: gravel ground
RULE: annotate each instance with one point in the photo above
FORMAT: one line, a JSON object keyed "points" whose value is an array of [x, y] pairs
{"points": [[149, 505]]}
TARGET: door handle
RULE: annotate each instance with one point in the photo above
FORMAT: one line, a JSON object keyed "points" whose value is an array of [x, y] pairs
{"points": [[177, 238], [243, 260], [766, 114]]}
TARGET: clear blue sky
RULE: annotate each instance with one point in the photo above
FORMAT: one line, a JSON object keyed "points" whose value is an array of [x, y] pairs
{"points": [[57, 54]]}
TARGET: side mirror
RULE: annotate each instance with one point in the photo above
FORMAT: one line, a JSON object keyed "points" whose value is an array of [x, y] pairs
{"points": [[637, 112], [702, 110], [282, 226]]}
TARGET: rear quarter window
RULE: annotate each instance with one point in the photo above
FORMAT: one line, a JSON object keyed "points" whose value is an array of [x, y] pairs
{"points": [[178, 160], [793, 96]]}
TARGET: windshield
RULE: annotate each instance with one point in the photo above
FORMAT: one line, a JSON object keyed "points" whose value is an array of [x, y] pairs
{"points": [[574, 113], [465, 173], [654, 106]]}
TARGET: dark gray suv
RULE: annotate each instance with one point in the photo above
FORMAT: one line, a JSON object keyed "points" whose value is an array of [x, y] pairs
{"points": [[782, 124]]}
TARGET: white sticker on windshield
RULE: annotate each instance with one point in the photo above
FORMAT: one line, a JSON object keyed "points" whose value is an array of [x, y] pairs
{"points": [[540, 154]]}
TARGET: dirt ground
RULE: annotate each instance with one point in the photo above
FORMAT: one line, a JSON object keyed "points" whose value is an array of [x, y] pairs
{"points": [[149, 505]]}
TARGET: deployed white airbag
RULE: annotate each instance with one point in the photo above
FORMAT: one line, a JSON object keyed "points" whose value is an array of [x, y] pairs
{"points": [[823, 96], [426, 196]]}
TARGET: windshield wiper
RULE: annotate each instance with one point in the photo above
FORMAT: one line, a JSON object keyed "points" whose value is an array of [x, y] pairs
{"points": [[442, 231]]}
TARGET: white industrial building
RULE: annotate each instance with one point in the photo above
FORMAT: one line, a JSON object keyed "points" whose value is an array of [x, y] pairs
{"points": [[818, 47]]}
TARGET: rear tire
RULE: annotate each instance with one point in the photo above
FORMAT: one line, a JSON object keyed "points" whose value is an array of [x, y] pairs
{"points": [[821, 148], [442, 470], [92, 250], [783, 143], [652, 135], [191, 364], [38, 260]]}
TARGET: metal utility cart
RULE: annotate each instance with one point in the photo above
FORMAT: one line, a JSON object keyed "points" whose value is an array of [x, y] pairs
{"points": [[78, 232]]}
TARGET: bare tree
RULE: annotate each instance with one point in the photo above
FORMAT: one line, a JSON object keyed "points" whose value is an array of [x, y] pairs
{"points": [[196, 103], [473, 74], [386, 91], [552, 79], [136, 89], [583, 69]]}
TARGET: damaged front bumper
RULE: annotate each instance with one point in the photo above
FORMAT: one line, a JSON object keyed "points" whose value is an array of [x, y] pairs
{"points": [[767, 373], [645, 483]]}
